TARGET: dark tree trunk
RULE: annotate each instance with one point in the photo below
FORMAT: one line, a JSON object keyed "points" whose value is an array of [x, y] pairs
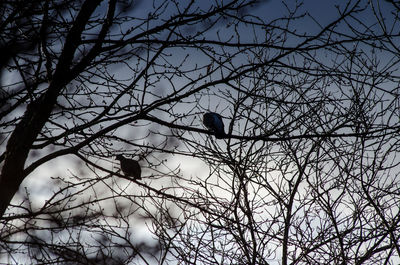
{"points": [[38, 112]]}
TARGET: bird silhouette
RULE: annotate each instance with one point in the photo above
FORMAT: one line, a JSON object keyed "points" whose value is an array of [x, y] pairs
{"points": [[130, 167], [213, 121]]}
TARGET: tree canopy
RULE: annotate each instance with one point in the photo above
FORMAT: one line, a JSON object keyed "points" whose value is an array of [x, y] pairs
{"points": [[305, 172]]}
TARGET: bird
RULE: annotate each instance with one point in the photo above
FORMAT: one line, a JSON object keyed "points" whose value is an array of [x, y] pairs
{"points": [[130, 167], [213, 121]]}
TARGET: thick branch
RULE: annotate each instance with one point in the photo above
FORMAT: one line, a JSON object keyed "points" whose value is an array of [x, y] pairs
{"points": [[38, 112]]}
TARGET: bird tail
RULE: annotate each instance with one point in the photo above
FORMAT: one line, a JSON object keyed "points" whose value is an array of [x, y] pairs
{"points": [[220, 135]]}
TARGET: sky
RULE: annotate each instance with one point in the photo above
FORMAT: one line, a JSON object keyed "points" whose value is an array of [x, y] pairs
{"points": [[323, 11]]}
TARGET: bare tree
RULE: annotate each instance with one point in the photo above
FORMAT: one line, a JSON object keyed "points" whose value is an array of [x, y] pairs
{"points": [[307, 172]]}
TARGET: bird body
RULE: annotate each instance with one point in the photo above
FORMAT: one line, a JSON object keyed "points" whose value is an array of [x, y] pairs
{"points": [[213, 121], [130, 167]]}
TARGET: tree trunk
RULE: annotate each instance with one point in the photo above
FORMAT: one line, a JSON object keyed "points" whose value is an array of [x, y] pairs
{"points": [[38, 112]]}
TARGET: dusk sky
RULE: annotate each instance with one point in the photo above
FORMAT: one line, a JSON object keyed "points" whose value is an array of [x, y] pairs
{"points": [[266, 134]]}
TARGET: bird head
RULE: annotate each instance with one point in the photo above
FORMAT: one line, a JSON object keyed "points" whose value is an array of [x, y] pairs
{"points": [[119, 157]]}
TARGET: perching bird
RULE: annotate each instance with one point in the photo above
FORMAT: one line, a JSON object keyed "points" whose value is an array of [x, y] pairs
{"points": [[131, 168], [213, 121]]}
